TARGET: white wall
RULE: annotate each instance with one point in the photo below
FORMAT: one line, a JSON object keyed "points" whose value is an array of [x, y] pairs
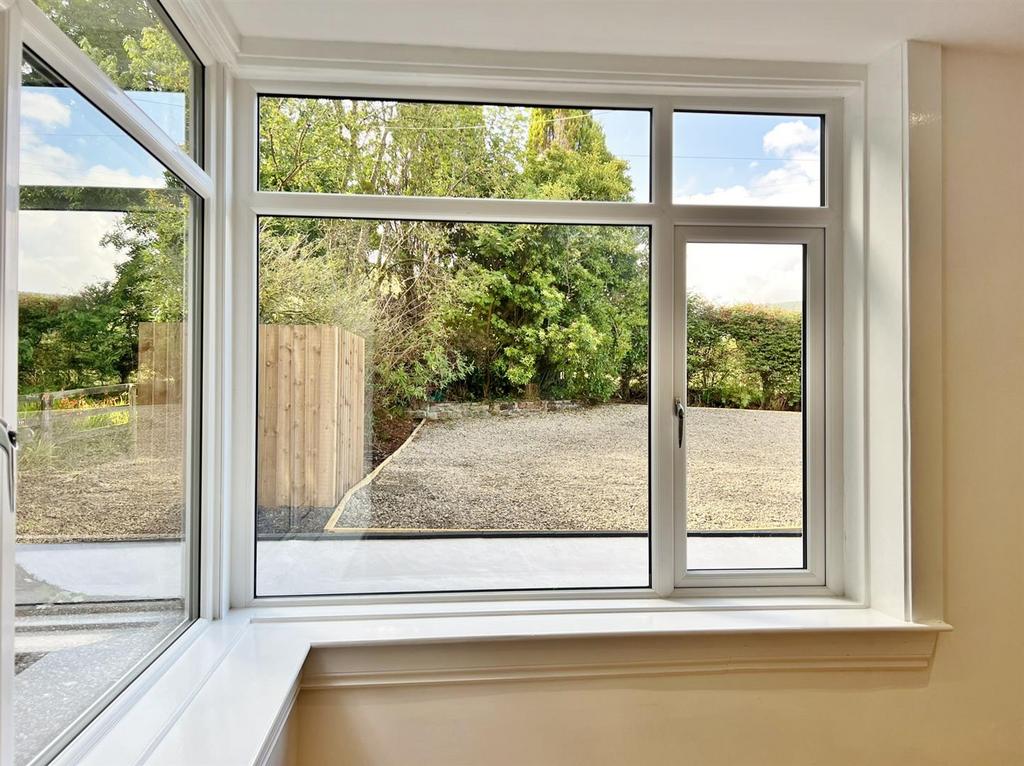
{"points": [[968, 709]]}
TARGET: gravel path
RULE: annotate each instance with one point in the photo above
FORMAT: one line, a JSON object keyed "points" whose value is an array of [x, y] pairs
{"points": [[743, 469], [583, 470]]}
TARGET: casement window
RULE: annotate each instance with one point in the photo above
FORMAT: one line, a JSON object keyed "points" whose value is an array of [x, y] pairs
{"points": [[542, 345], [103, 366]]}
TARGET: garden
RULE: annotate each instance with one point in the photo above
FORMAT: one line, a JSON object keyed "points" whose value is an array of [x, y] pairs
{"points": [[450, 312]]}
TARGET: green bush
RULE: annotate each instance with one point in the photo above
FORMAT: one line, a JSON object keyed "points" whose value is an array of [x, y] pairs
{"points": [[743, 356]]}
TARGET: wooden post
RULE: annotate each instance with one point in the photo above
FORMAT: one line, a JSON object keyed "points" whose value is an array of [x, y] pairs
{"points": [[133, 415], [45, 423]]}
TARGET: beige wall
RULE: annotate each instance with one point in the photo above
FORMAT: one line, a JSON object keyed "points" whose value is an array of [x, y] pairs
{"points": [[969, 709]]}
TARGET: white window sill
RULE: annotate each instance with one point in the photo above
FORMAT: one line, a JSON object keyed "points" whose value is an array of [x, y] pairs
{"points": [[230, 687]]}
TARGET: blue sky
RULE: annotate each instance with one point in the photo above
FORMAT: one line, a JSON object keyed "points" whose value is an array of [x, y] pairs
{"points": [[67, 141], [717, 159], [628, 136], [744, 159], [724, 158]]}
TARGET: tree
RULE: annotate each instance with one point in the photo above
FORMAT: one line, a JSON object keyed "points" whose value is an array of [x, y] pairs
{"points": [[449, 309], [567, 158], [124, 38], [506, 305]]}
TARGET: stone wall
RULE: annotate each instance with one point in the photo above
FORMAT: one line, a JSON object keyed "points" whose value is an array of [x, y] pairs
{"points": [[458, 410]]}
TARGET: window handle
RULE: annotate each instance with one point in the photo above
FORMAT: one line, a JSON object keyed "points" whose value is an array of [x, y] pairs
{"points": [[681, 419], [9, 444]]}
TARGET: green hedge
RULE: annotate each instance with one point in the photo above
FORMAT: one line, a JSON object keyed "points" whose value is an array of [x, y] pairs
{"points": [[746, 356]]}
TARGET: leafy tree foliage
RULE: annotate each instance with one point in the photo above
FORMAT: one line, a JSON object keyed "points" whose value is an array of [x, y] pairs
{"points": [[69, 341], [451, 310], [125, 39], [495, 307], [743, 356]]}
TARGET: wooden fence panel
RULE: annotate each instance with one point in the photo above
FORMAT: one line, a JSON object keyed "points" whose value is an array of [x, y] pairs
{"points": [[159, 412], [161, 363], [310, 421]]}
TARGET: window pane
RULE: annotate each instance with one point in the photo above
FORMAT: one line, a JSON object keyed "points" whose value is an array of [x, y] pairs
{"points": [[346, 146], [747, 159], [106, 255], [744, 423], [139, 49], [450, 406]]}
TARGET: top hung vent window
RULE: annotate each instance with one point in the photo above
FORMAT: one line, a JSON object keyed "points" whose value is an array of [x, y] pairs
{"points": [[136, 44]]}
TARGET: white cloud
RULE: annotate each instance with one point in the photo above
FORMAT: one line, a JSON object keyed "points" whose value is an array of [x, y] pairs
{"points": [[44, 109], [44, 164], [787, 137], [729, 274], [793, 182], [60, 251]]}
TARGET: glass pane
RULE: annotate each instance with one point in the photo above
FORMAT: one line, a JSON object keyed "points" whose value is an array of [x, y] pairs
{"points": [[136, 46], [106, 254], [451, 406], [347, 146], [746, 159], [744, 425]]}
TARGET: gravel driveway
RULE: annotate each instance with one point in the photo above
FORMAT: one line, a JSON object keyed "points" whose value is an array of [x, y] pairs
{"points": [[582, 470]]}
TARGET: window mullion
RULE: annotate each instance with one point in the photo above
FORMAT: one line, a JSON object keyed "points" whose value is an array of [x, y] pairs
{"points": [[664, 563]]}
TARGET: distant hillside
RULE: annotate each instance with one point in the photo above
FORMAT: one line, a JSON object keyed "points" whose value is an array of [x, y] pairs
{"points": [[789, 305]]}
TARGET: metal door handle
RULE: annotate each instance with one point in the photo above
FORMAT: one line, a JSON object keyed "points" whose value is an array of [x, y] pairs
{"points": [[681, 419], [9, 444]]}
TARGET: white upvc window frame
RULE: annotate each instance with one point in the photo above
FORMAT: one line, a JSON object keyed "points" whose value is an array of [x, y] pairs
{"points": [[663, 216], [23, 26], [822, 519]]}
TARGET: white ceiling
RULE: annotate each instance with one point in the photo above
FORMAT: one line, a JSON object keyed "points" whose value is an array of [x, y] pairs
{"points": [[846, 31]]}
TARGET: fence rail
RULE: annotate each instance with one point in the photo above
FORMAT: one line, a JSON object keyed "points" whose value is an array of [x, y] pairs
{"points": [[160, 387], [45, 397]]}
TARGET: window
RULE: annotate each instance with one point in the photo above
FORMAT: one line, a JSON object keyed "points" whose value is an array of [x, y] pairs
{"points": [[356, 146], [451, 406], [753, 438], [136, 44], [107, 507], [747, 159], [455, 394]]}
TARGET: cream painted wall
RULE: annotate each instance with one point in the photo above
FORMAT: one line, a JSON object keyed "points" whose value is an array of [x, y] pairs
{"points": [[967, 710]]}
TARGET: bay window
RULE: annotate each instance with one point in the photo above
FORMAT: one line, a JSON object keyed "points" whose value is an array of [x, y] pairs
{"points": [[368, 345]]}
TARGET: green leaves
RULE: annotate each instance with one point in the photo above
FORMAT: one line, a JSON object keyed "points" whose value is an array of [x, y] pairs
{"points": [[743, 356]]}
